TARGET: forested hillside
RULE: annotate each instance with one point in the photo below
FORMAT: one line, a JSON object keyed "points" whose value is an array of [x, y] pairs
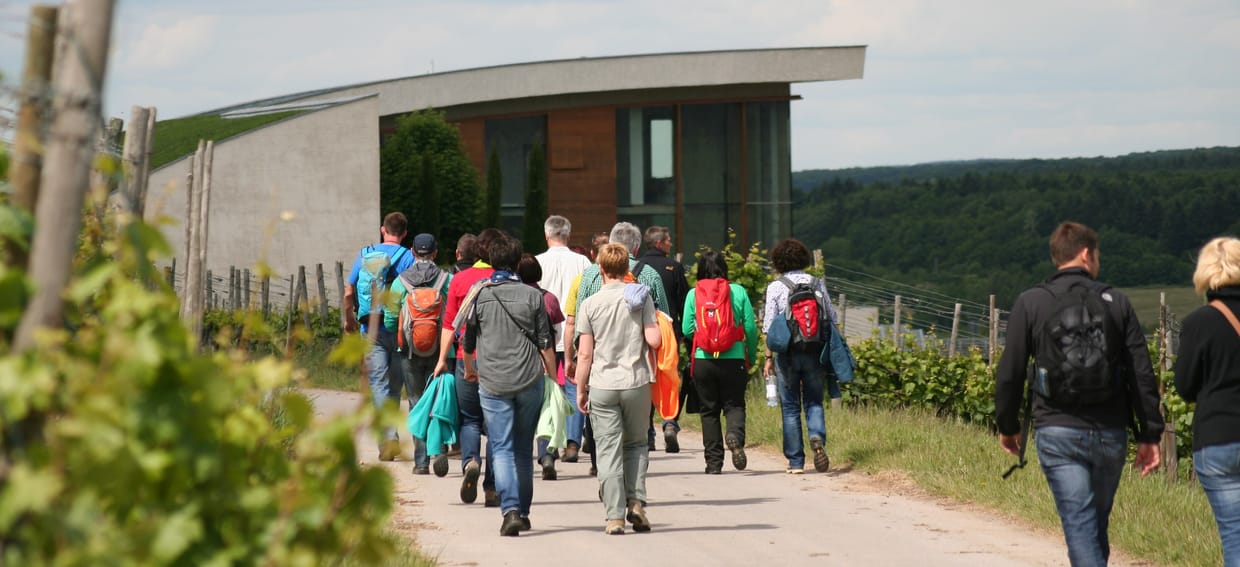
{"points": [[969, 229]]}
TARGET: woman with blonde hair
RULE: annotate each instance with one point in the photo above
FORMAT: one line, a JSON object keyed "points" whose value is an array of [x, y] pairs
{"points": [[618, 331], [1207, 371]]}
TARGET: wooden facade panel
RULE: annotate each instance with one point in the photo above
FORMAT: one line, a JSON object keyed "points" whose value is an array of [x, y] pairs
{"points": [[586, 191], [473, 135]]}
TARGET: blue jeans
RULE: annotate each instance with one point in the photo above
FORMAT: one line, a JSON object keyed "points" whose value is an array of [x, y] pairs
{"points": [[511, 421], [472, 426], [576, 421], [1218, 469], [1082, 467], [802, 380], [384, 370]]}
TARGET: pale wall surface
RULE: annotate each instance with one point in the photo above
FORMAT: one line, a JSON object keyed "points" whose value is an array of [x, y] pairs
{"points": [[320, 169]]}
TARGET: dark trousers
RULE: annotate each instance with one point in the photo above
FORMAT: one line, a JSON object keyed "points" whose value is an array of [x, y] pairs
{"points": [[720, 386]]}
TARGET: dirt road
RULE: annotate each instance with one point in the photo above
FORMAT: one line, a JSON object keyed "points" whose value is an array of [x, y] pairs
{"points": [[760, 516]]}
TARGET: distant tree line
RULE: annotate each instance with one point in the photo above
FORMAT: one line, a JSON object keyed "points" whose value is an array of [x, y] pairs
{"points": [[969, 233]]}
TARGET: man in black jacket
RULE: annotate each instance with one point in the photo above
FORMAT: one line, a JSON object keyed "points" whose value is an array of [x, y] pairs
{"points": [[658, 244], [1081, 447]]}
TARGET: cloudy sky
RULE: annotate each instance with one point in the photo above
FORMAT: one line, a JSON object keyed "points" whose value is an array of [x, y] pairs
{"points": [[944, 80]]}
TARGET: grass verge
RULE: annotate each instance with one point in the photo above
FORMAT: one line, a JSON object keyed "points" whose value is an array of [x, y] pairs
{"points": [[1169, 524]]}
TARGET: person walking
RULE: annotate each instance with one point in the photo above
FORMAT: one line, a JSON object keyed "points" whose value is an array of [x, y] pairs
{"points": [[374, 270], [720, 327], [1091, 377], [560, 266], [468, 402], [801, 375], [618, 332], [530, 271], [1207, 371], [508, 348], [465, 257], [657, 254], [418, 361]]}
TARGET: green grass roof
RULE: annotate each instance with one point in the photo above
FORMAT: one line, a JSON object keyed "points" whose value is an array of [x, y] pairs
{"points": [[179, 136]]}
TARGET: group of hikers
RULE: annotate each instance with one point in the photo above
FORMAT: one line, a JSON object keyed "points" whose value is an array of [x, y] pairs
{"points": [[569, 348], [564, 347]]}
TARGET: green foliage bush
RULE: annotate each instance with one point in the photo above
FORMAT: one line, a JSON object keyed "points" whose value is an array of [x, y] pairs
{"points": [[960, 387], [424, 139], [123, 445]]}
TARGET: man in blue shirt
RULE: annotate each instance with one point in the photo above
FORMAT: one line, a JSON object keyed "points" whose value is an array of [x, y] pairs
{"points": [[382, 262]]}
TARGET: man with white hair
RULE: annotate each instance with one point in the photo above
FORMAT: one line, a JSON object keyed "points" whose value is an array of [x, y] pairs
{"points": [[559, 267], [630, 236]]}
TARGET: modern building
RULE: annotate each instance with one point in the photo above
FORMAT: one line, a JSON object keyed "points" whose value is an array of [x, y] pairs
{"points": [[699, 142]]}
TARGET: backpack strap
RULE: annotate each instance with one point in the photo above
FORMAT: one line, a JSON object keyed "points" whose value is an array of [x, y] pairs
{"points": [[391, 269], [1231, 317], [637, 268]]}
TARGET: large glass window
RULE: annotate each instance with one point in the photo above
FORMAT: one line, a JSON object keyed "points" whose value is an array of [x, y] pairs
{"points": [[768, 171], [711, 174], [645, 158], [512, 139]]}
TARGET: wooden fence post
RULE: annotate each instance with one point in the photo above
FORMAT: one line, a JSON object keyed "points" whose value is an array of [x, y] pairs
{"points": [[323, 305], [895, 325], [28, 140], [204, 210], [132, 156], [191, 303], [340, 291], [172, 274], [1167, 443], [817, 257], [210, 299], [303, 296], [951, 346], [992, 335], [265, 291], [844, 314], [290, 313], [77, 89], [246, 291]]}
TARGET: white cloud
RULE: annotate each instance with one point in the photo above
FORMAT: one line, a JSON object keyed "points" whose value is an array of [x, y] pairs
{"points": [[160, 46], [948, 79]]}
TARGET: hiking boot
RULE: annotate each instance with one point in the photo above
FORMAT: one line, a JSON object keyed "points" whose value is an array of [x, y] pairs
{"points": [[389, 449], [738, 452], [490, 498], [795, 470], [637, 516], [614, 527], [548, 467], [511, 525], [714, 469], [440, 465], [570, 453], [469, 486], [837, 404], [421, 470], [525, 523], [650, 446], [672, 445], [821, 461], [593, 469]]}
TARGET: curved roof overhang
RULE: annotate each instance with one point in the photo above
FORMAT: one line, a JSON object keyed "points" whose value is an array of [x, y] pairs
{"points": [[661, 71]]}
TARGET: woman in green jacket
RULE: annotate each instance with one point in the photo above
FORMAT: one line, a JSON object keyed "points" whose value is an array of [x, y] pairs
{"points": [[724, 345]]}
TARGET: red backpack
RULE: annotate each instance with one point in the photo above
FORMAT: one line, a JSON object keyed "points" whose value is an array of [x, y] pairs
{"points": [[805, 311], [717, 329]]}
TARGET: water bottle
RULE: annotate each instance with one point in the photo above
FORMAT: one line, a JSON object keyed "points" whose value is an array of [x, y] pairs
{"points": [[772, 397]]}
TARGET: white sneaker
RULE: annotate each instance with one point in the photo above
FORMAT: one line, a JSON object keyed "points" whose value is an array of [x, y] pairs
{"points": [[795, 471]]}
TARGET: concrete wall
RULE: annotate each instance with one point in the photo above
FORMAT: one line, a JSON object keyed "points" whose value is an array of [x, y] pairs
{"points": [[297, 192]]}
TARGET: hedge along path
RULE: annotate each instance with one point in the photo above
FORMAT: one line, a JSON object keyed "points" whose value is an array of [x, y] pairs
{"points": [[760, 515]]}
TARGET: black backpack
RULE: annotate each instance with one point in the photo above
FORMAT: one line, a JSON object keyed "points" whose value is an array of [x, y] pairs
{"points": [[1073, 365]]}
